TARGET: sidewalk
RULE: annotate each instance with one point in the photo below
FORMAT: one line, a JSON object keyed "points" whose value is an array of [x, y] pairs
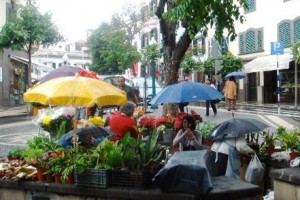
{"points": [[22, 112], [15, 113]]}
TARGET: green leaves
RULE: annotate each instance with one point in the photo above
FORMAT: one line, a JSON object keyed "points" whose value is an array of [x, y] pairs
{"points": [[110, 50], [207, 14], [29, 27]]}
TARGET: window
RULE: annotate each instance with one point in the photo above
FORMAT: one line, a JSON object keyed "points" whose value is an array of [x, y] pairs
{"points": [[251, 6], [153, 33], [144, 40], [251, 41], [199, 45], [289, 32]]}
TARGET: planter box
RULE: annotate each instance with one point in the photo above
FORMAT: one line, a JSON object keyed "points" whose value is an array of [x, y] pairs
{"points": [[92, 178], [131, 179]]}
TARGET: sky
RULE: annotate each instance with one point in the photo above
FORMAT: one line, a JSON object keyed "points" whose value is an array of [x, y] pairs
{"points": [[75, 17]]}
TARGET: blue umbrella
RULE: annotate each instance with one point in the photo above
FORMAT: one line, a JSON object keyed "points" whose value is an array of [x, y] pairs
{"points": [[186, 92], [236, 75]]}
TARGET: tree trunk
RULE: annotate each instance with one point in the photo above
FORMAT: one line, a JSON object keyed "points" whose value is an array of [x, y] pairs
{"points": [[174, 52]]}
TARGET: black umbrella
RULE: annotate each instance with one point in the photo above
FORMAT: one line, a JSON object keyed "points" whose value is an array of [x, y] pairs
{"points": [[236, 127], [88, 136]]}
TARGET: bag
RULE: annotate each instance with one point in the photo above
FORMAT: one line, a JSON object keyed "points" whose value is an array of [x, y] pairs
{"points": [[255, 170]]}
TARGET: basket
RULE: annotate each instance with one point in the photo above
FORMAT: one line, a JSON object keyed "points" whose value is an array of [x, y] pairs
{"points": [[131, 179], [92, 178]]}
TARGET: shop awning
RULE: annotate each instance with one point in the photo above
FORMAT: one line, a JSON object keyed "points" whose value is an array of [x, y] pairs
{"points": [[268, 63]]}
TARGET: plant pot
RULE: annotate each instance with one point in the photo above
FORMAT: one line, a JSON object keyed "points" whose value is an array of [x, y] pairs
{"points": [[57, 178], [270, 151], [70, 179], [168, 135], [40, 173], [49, 178], [294, 155], [209, 142]]}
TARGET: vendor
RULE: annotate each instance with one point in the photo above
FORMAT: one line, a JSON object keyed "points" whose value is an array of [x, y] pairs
{"points": [[122, 122], [226, 155], [187, 138]]}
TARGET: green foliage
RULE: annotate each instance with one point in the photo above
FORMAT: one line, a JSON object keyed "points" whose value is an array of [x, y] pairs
{"points": [[229, 64], [296, 48], [188, 64], [37, 147], [62, 130], [29, 27], [204, 14], [16, 152], [269, 139], [290, 140], [150, 53], [110, 51], [205, 128], [129, 153]]}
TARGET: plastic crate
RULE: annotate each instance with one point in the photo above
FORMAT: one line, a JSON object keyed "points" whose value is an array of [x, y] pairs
{"points": [[131, 179], [92, 178]]}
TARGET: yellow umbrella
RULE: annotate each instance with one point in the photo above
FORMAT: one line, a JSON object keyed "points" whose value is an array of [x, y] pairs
{"points": [[76, 91]]}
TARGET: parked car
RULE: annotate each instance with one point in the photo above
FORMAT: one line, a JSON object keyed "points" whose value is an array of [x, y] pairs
{"points": [[140, 83]]}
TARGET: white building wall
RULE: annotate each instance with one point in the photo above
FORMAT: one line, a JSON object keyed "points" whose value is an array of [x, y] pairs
{"points": [[268, 14]]}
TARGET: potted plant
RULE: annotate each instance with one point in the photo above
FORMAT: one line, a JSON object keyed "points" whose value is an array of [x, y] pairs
{"points": [[269, 140], [289, 141], [167, 125], [15, 153], [147, 124], [205, 128]]}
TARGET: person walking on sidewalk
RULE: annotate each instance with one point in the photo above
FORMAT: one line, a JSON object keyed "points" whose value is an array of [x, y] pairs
{"points": [[230, 92], [210, 102]]}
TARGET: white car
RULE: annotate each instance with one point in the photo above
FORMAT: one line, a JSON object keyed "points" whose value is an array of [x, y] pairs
{"points": [[146, 91]]}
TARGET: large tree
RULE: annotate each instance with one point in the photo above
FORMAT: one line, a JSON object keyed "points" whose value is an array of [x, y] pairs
{"points": [[111, 53], [193, 16], [112, 45], [28, 28]]}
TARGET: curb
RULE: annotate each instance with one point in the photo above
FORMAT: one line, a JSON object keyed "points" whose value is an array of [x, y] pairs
{"points": [[15, 118]]}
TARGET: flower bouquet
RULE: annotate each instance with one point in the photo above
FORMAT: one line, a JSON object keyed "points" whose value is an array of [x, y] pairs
{"points": [[50, 119]]}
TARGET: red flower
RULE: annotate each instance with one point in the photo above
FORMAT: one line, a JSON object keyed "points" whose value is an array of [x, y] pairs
{"points": [[147, 121]]}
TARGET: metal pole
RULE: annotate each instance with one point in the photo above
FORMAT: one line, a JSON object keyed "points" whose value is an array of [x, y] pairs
{"points": [[296, 81], [153, 106], [153, 78], [278, 86]]}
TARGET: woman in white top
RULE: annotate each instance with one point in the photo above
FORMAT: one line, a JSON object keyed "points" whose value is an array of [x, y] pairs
{"points": [[187, 138]]}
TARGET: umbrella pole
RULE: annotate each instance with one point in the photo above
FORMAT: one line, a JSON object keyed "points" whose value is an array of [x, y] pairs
{"points": [[75, 138]]}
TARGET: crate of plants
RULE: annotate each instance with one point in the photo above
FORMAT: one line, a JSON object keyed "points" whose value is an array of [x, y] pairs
{"points": [[91, 177], [131, 179]]}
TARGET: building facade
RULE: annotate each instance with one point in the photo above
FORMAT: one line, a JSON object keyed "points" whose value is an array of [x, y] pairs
{"points": [[268, 21]]}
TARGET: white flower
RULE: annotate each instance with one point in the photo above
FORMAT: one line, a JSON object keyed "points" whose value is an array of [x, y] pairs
{"points": [[161, 128]]}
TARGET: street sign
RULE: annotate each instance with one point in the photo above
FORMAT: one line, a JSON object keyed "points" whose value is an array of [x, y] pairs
{"points": [[277, 48]]}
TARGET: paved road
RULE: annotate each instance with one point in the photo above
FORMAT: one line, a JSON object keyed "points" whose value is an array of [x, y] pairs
{"points": [[16, 134]]}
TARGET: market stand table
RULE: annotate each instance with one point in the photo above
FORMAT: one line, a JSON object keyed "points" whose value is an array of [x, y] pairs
{"points": [[224, 188]]}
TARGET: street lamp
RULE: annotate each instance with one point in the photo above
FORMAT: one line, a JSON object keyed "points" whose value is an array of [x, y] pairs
{"points": [[153, 42], [65, 59]]}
